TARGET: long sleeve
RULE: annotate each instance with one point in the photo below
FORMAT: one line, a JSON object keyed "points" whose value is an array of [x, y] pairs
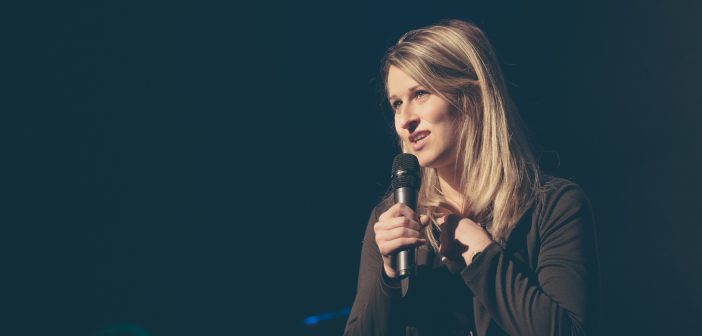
{"points": [[560, 296], [376, 308]]}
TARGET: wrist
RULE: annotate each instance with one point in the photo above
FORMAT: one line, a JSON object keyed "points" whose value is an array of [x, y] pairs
{"points": [[470, 255]]}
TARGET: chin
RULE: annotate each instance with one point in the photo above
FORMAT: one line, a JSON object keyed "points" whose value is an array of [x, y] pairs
{"points": [[433, 160], [426, 161], [427, 158]]}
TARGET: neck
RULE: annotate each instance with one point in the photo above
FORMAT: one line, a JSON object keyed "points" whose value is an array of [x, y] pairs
{"points": [[449, 181]]}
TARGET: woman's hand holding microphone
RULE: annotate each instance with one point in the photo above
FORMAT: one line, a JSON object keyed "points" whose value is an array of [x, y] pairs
{"points": [[397, 228]]}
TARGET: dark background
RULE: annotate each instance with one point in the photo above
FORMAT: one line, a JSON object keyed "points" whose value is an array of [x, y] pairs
{"points": [[206, 168]]}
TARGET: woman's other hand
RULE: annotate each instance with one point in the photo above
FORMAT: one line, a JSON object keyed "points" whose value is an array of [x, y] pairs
{"points": [[461, 238]]}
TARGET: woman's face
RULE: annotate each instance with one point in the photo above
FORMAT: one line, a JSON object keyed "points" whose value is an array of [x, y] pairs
{"points": [[422, 120]]}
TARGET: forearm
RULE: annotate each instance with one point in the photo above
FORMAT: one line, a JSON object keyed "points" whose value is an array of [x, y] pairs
{"points": [[376, 309], [517, 301]]}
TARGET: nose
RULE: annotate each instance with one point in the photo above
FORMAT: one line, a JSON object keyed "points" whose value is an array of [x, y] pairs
{"points": [[407, 119]]}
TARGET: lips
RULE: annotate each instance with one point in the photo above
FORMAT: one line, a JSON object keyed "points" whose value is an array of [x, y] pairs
{"points": [[418, 139], [418, 136]]}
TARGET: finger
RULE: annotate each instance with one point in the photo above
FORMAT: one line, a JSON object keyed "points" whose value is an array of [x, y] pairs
{"points": [[397, 210], [424, 220], [396, 233], [408, 212], [392, 246], [392, 212], [449, 223], [402, 222], [395, 223]]}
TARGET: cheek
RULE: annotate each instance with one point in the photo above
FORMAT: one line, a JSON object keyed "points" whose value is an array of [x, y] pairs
{"points": [[441, 112], [443, 116], [396, 124]]}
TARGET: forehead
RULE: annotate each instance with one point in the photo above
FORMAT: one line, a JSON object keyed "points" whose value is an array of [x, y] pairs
{"points": [[399, 82]]}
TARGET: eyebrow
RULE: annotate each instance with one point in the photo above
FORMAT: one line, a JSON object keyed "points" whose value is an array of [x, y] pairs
{"points": [[409, 90]]}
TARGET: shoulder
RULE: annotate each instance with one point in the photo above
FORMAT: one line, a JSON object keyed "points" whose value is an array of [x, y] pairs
{"points": [[560, 200], [559, 192]]}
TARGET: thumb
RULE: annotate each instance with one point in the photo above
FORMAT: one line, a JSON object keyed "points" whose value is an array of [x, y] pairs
{"points": [[424, 220]]}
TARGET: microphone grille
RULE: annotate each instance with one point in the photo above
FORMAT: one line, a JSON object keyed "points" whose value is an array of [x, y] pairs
{"points": [[407, 162], [405, 172]]}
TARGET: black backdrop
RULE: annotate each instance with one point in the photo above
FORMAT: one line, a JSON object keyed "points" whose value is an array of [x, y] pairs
{"points": [[206, 168]]}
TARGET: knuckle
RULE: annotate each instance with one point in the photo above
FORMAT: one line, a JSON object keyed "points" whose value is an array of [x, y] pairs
{"points": [[395, 208]]}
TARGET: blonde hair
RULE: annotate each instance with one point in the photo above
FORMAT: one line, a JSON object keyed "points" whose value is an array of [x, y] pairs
{"points": [[499, 177]]}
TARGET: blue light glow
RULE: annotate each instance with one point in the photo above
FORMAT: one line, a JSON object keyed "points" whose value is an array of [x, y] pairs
{"points": [[316, 319], [311, 320]]}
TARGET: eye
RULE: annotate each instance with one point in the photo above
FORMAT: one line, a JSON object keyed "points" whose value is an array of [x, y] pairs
{"points": [[396, 104], [421, 93]]}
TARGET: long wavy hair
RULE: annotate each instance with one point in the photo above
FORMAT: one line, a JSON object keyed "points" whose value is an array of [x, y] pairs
{"points": [[498, 175]]}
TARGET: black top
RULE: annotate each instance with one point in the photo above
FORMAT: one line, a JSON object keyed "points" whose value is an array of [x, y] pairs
{"points": [[543, 281]]}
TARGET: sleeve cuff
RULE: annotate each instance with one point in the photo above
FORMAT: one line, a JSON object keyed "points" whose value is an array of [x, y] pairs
{"points": [[389, 287], [480, 263]]}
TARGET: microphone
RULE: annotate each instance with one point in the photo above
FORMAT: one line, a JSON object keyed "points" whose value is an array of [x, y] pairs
{"points": [[405, 184]]}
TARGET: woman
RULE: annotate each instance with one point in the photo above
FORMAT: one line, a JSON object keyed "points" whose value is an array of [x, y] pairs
{"points": [[501, 248]]}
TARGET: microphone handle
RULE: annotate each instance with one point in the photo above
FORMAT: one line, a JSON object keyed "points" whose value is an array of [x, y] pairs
{"points": [[404, 260]]}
